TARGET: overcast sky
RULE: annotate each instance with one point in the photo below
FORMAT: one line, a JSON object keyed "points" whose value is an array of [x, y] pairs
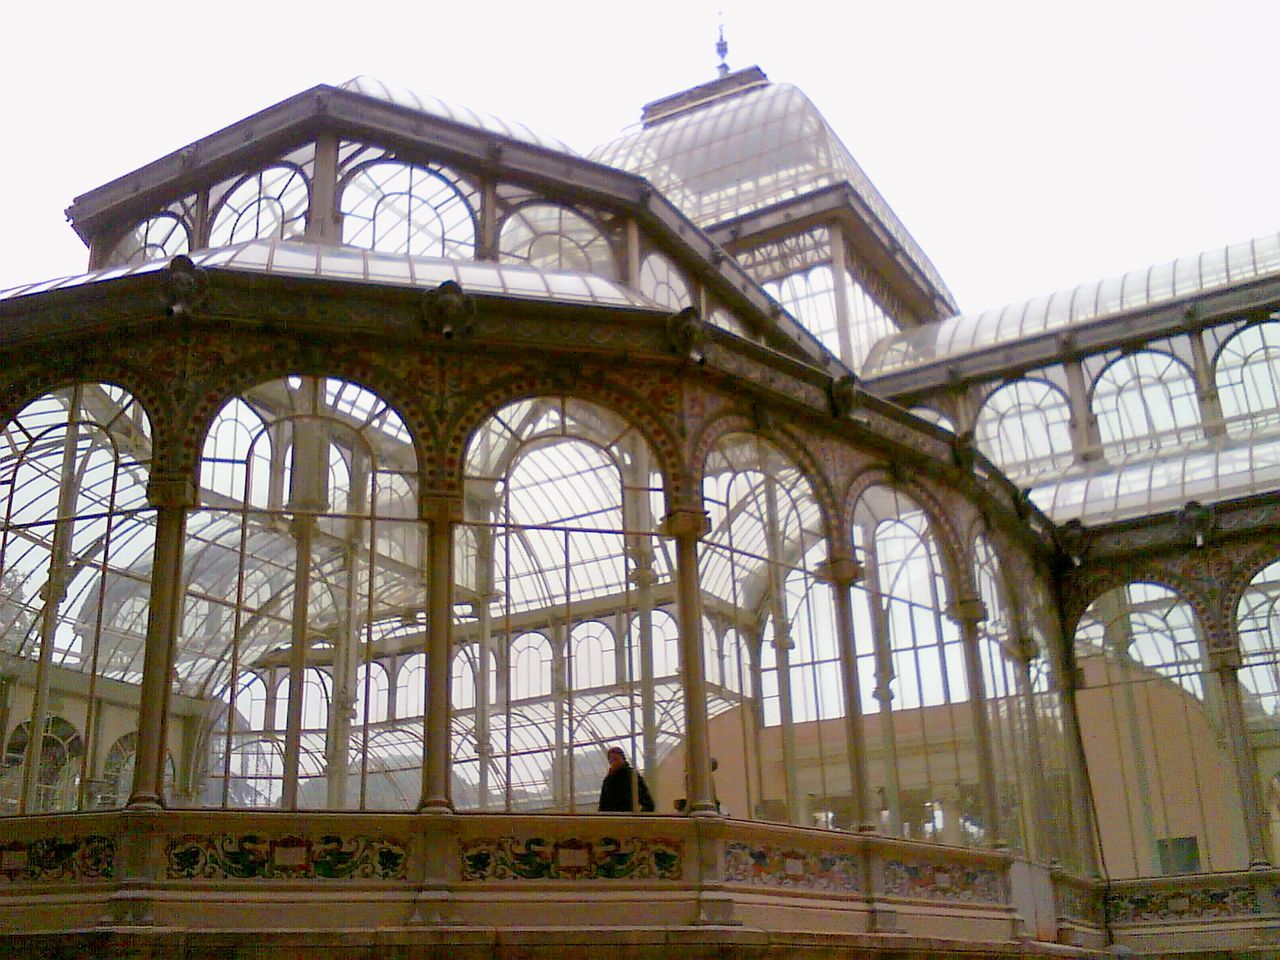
{"points": [[1027, 146]]}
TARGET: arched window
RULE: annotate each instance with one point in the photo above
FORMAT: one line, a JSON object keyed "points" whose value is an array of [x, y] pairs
{"points": [[305, 544], [270, 204], [592, 655], [1150, 719], [530, 666], [810, 297], [1247, 373], [76, 542], [316, 696], [912, 673], [561, 504], [551, 237], [372, 693], [760, 565], [60, 760], [397, 207], [1024, 428], [161, 237], [462, 677], [661, 281], [411, 686], [251, 702], [1146, 400]]}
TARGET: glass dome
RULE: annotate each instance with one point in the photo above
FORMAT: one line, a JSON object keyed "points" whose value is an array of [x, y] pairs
{"points": [[749, 151]]}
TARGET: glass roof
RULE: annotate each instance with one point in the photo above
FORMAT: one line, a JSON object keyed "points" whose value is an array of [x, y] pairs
{"points": [[1149, 286], [370, 266], [748, 151], [1146, 483], [370, 87]]}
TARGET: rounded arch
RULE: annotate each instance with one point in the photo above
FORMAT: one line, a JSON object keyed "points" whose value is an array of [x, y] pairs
{"points": [[158, 407], [1145, 399], [399, 207], [787, 443], [268, 204], [265, 367], [662, 281], [162, 236], [1247, 376], [550, 236], [952, 550], [486, 402], [1024, 427]]}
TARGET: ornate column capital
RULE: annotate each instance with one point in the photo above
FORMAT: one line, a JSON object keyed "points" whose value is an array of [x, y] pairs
{"points": [[1224, 658], [437, 507], [171, 490], [967, 610], [685, 523], [841, 571]]}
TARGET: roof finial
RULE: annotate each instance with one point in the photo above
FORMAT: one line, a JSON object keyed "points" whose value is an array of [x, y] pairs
{"points": [[722, 51]]}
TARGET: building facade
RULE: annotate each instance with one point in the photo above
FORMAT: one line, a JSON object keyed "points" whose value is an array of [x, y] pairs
{"points": [[392, 462]]}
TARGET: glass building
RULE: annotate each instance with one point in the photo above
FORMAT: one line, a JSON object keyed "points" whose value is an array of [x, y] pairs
{"points": [[392, 462]]}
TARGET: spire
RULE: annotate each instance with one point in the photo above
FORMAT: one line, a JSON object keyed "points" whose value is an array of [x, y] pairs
{"points": [[722, 51]]}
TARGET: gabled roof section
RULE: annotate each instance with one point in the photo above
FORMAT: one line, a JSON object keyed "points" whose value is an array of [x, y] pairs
{"points": [[741, 144]]}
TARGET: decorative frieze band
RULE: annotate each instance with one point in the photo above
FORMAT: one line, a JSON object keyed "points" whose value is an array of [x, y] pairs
{"points": [[1183, 903], [771, 866], [58, 859], [921, 880], [251, 856], [600, 858]]}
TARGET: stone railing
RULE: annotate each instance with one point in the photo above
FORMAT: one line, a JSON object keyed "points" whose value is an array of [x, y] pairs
{"points": [[232, 873], [1226, 912]]}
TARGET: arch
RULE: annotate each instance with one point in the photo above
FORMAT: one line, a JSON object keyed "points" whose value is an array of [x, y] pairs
{"points": [[790, 445], [241, 375], [661, 281], [637, 414], [1150, 716], [1024, 427], [411, 687], [268, 204], [1247, 376], [398, 207], [62, 751], [163, 236], [549, 236], [953, 551], [1144, 400], [372, 693], [592, 659]]}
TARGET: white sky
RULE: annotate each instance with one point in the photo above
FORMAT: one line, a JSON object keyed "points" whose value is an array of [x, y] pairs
{"points": [[1028, 146]]}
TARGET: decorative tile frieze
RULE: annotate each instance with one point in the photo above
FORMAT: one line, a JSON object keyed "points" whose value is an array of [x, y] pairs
{"points": [[1078, 903], [601, 858], [771, 866], [58, 859], [1184, 903], [942, 881], [250, 856]]}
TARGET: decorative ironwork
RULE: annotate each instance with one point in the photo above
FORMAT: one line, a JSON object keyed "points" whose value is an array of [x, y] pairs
{"points": [[185, 287], [448, 311], [687, 334]]}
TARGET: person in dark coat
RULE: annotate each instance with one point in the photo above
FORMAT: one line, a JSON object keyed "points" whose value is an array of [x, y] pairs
{"points": [[623, 789]]}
